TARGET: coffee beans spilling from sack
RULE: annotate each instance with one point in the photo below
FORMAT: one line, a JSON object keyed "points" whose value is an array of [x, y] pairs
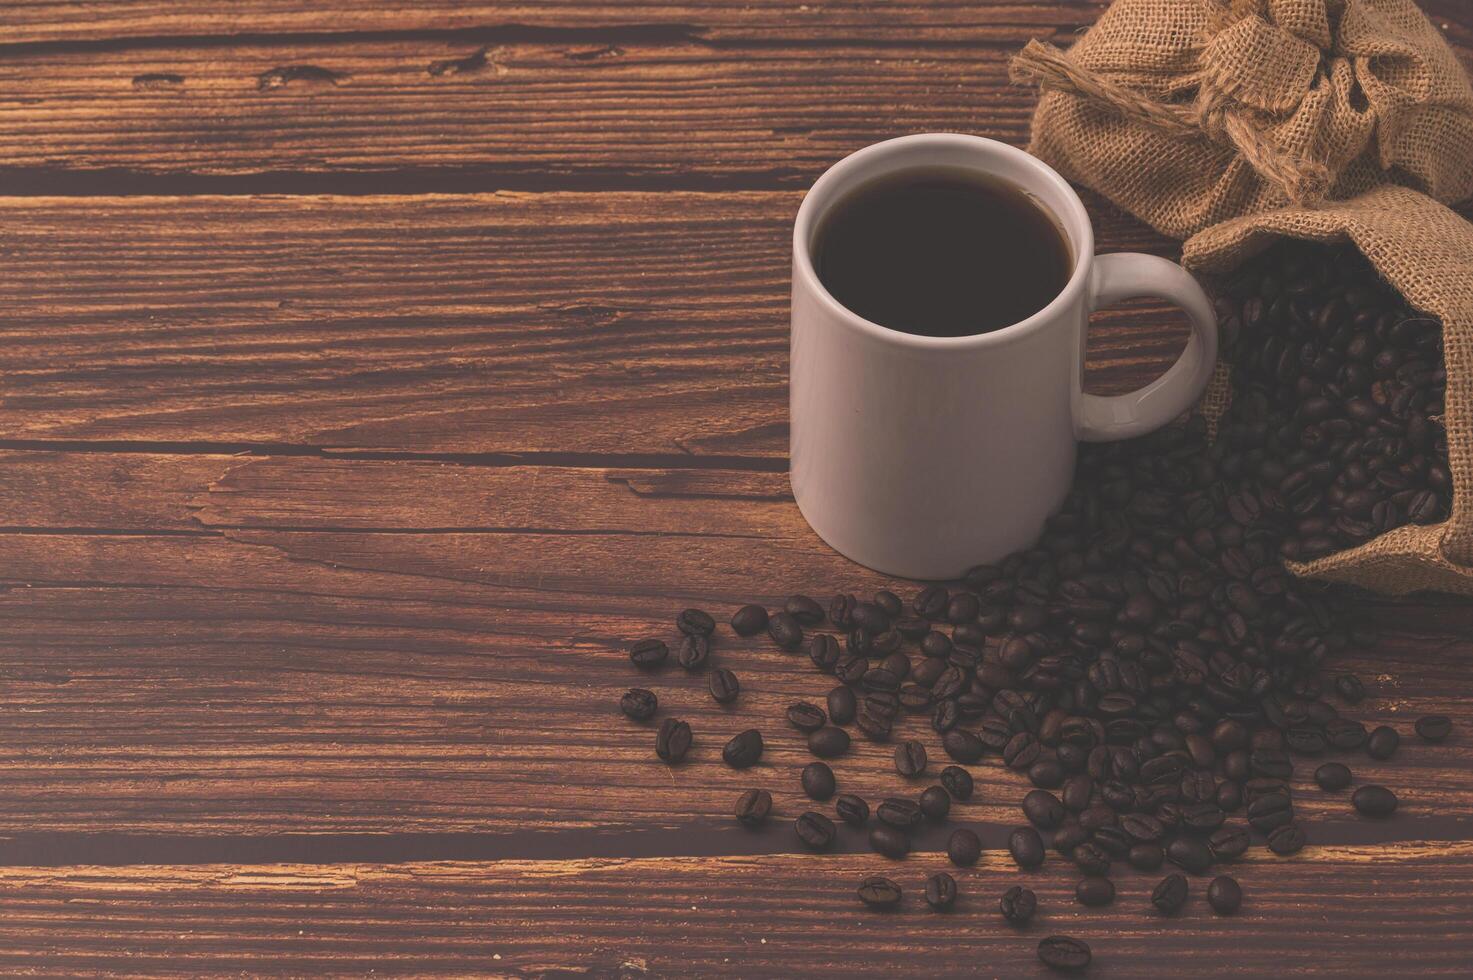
{"points": [[1149, 668]]}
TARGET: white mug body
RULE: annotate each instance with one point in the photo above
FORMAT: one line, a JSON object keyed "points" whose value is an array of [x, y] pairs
{"points": [[921, 456]]}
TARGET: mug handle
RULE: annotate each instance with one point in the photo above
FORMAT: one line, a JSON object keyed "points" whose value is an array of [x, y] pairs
{"points": [[1127, 275]]}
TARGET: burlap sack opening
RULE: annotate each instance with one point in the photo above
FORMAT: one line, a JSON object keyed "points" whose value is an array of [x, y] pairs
{"points": [[1425, 251], [1190, 112]]}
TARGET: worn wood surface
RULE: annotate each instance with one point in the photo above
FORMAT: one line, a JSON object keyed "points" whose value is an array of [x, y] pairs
{"points": [[360, 399]]}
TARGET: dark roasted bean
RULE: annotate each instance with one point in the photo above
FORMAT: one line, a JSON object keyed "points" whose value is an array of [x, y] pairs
{"points": [[648, 654], [815, 830], [749, 620], [1191, 854], [1064, 953], [1374, 801], [941, 891], [1382, 742], [639, 704], [1228, 843], [1170, 894], [1286, 840], [828, 742], [1146, 857], [824, 651], [694, 651], [899, 812], [935, 802], [695, 622], [879, 893], [785, 631], [964, 847], [910, 759], [1026, 847], [1332, 777], [843, 705], [1094, 892], [1018, 904], [1225, 895], [743, 750], [806, 717], [1043, 809], [958, 782], [818, 781], [806, 611], [852, 809], [723, 685], [889, 841], [1434, 728], [673, 740], [753, 806]]}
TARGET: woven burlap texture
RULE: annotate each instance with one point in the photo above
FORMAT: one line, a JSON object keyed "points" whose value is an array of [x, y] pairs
{"points": [[1425, 251], [1187, 113]]}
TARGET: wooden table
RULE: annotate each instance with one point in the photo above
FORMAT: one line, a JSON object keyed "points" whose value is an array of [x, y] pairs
{"points": [[372, 373]]}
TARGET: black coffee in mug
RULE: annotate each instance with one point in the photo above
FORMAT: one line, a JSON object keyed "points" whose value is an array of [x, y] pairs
{"points": [[941, 252]]}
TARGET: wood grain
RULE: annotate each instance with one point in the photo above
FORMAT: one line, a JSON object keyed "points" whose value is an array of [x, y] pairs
{"points": [[1336, 912], [630, 323]]}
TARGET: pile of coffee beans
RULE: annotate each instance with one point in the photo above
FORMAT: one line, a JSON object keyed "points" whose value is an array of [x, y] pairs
{"points": [[1149, 666]]}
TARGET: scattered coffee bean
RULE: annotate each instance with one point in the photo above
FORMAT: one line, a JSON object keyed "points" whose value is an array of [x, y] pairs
{"points": [[1434, 728], [1026, 847], [1146, 857], [744, 750], [723, 685], [1064, 953], [910, 759], [818, 781], [1094, 892], [753, 806], [749, 620], [1090, 858], [1332, 776], [931, 602], [963, 746], [785, 631], [958, 782], [806, 717], [1170, 894], [639, 704], [673, 740], [1018, 905], [1350, 689], [941, 891], [824, 651], [815, 830], [1286, 840], [1043, 809], [899, 812], [935, 803], [842, 705], [1190, 854], [852, 809], [1229, 843], [1374, 801], [694, 651], [1383, 742], [889, 841], [828, 742], [805, 610], [964, 848], [1225, 895], [879, 893], [649, 654], [695, 622]]}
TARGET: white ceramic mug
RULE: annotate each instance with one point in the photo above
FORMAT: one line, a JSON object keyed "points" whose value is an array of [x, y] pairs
{"points": [[922, 456]]}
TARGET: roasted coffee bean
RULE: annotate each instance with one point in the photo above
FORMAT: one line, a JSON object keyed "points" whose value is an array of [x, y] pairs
{"points": [[673, 740], [1018, 904], [1078, 789], [1043, 809], [804, 610], [749, 620], [753, 806], [1332, 777], [874, 727], [818, 781], [695, 622], [964, 848], [870, 618], [958, 782], [889, 603], [723, 685], [1228, 843], [1046, 774], [1202, 818], [1434, 728], [1225, 895], [824, 651], [806, 717], [1146, 857], [935, 802], [1026, 847], [1170, 894], [1091, 858], [815, 830], [962, 608], [785, 631], [899, 812], [1271, 763], [851, 670], [828, 742], [1382, 742], [694, 651], [1094, 892], [941, 891], [1350, 688], [879, 893], [889, 841], [1191, 854], [1064, 953], [1271, 811], [963, 746], [1306, 740], [843, 705], [1344, 734], [852, 809], [1374, 801], [910, 759], [1070, 836], [648, 654], [1286, 840], [1021, 751], [744, 750], [639, 704], [1142, 827], [931, 602]]}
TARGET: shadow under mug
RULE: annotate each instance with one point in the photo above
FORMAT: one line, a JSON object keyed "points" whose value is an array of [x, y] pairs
{"points": [[922, 456]]}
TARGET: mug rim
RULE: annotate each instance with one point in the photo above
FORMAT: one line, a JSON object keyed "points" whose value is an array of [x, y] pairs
{"points": [[1083, 230]]}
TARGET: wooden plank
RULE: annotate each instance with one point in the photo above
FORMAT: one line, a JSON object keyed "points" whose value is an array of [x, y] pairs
{"points": [[1330, 912], [504, 323], [390, 647], [71, 21]]}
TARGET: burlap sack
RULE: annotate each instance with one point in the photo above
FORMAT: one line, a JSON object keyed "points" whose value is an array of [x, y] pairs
{"points": [[1190, 112], [1425, 250]]}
